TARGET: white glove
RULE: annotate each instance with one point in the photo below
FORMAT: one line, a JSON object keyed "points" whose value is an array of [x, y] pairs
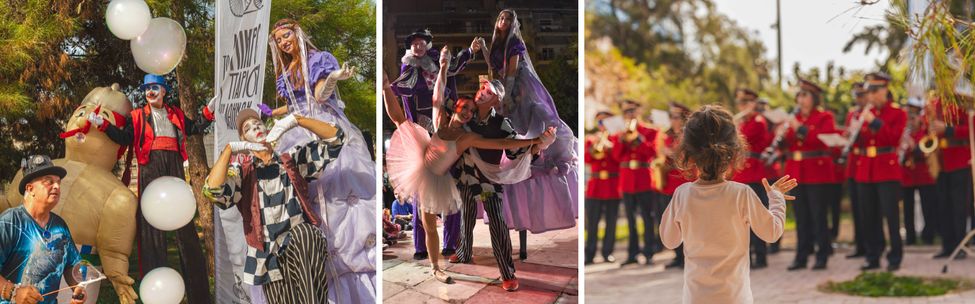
{"points": [[548, 138], [244, 146], [322, 93], [96, 119], [212, 102], [344, 73], [280, 126]]}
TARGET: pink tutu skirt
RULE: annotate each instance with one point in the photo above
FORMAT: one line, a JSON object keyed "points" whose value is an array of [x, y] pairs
{"points": [[409, 174]]}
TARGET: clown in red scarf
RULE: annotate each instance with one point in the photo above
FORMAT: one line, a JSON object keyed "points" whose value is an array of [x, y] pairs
{"points": [[157, 134]]}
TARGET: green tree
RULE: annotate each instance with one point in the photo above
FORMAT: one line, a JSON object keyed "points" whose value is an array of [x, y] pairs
{"points": [[55, 52], [682, 51]]}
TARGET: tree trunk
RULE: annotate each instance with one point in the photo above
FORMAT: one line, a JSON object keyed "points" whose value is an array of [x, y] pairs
{"points": [[196, 154]]}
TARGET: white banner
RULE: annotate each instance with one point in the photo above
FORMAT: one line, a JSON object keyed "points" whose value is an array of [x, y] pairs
{"points": [[241, 55]]}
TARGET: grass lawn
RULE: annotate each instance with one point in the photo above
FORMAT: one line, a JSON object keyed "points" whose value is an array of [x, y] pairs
{"points": [[886, 284]]}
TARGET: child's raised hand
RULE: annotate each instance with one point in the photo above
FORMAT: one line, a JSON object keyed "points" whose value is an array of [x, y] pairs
{"points": [[784, 184]]}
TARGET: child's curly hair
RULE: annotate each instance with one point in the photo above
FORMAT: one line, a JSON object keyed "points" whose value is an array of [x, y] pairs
{"points": [[711, 144]]}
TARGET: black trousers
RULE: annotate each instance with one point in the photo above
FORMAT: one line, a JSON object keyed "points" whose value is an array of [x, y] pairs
{"points": [[642, 203], [928, 205], [152, 241], [811, 229], [595, 210], [929, 211], [759, 249], [954, 191], [500, 239], [879, 201], [858, 230], [835, 199]]}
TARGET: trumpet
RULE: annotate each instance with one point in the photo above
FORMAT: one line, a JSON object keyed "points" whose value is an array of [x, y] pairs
{"points": [[631, 130], [599, 148]]}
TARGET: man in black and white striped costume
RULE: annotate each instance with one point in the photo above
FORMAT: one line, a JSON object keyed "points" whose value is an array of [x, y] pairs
{"points": [[476, 187], [286, 252]]}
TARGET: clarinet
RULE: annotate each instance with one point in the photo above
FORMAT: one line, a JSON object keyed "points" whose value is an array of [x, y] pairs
{"points": [[855, 126], [771, 154], [904, 144]]}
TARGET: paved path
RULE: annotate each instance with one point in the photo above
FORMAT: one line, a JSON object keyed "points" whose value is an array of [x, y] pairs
{"points": [[549, 275], [608, 283]]}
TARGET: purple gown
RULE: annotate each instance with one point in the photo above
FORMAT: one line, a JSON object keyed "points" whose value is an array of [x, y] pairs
{"points": [[347, 188], [549, 199]]}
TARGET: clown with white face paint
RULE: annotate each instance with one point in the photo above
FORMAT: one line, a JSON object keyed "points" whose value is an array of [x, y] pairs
{"points": [[286, 252], [157, 133]]}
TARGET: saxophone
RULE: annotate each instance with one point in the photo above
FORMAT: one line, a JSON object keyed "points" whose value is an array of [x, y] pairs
{"points": [[929, 144]]}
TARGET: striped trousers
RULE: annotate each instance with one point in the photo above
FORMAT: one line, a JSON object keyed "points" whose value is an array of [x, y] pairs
{"points": [[500, 239], [303, 269]]}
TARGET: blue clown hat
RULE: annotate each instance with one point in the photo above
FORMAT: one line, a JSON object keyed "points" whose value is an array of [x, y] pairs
{"points": [[152, 79]]}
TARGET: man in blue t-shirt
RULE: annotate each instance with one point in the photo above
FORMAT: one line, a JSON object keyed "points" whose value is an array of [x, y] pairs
{"points": [[402, 211], [36, 249]]}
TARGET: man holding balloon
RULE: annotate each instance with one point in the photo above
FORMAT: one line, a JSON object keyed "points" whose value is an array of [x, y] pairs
{"points": [[158, 132], [36, 249]]}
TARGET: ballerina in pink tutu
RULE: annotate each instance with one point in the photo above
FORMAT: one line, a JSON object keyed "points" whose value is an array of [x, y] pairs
{"points": [[417, 163]]}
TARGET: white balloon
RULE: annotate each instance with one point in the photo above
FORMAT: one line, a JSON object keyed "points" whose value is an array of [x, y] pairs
{"points": [[162, 285], [168, 203], [160, 48], [127, 18]]}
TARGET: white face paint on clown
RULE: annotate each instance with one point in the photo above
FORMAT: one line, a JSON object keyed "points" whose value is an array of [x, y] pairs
{"points": [[486, 95], [155, 94], [419, 47], [254, 131]]}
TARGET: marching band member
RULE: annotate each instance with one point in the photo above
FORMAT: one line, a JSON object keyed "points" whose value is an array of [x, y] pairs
{"points": [[669, 141], [954, 184], [634, 149], [916, 174], [753, 126], [809, 161], [879, 173], [602, 190], [859, 238]]}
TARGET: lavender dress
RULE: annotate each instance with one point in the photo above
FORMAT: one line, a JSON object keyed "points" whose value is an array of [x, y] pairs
{"points": [[548, 200], [347, 188]]}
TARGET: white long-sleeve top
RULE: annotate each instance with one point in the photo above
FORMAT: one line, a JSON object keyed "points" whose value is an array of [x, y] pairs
{"points": [[713, 221]]}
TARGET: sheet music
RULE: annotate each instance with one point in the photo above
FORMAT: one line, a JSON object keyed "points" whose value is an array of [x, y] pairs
{"points": [[660, 118], [833, 140], [614, 124], [777, 115]]}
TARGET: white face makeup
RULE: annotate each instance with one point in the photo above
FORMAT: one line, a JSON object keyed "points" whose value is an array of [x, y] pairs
{"points": [[486, 94], [155, 94], [254, 131], [418, 47]]}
